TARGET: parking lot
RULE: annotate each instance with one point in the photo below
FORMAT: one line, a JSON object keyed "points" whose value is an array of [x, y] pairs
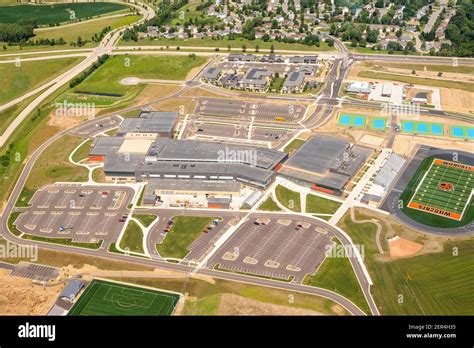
{"points": [[274, 247], [92, 128], [38, 273], [79, 212], [246, 110]]}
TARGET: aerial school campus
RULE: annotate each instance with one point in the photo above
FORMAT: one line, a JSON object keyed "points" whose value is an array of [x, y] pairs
{"points": [[236, 158]]}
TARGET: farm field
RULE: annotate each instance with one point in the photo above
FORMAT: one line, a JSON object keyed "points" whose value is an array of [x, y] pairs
{"points": [[437, 283], [184, 231], [106, 298], [16, 81], [84, 30], [106, 79], [57, 13]]}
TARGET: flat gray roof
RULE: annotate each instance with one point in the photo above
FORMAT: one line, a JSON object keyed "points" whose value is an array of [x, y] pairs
{"points": [[326, 160], [194, 185], [149, 122], [164, 149], [104, 146], [122, 163], [318, 154], [206, 168]]}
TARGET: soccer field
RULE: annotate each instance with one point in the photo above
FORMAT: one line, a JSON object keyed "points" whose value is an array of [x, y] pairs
{"points": [[446, 189], [105, 298]]}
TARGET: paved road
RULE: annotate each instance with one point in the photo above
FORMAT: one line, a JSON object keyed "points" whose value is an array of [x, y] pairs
{"points": [[105, 46]]}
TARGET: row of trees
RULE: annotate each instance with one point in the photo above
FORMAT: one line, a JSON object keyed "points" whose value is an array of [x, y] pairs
{"points": [[16, 32], [78, 79]]}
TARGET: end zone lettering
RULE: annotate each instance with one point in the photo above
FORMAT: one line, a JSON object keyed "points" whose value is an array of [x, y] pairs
{"points": [[433, 210]]}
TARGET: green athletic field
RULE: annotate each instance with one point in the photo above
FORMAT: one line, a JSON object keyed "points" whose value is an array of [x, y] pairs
{"points": [[453, 199], [56, 13], [105, 298], [430, 204]]}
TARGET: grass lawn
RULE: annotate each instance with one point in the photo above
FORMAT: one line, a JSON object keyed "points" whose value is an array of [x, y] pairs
{"points": [[25, 196], [11, 223], [107, 78], [466, 86], [190, 12], [205, 298], [106, 298], [224, 43], [145, 219], [63, 241], [53, 164], [56, 13], [82, 152], [184, 231], [288, 198], [16, 81], [85, 30], [276, 84], [269, 205], [319, 205], [438, 283], [132, 238], [294, 145], [429, 67], [336, 274]]}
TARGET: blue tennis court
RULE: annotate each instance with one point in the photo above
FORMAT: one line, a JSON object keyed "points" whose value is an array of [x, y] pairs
{"points": [[422, 128], [464, 132], [379, 124], [436, 129], [457, 132], [359, 121], [407, 126], [344, 120]]}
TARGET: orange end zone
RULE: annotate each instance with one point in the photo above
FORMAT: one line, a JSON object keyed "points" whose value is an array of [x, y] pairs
{"points": [[454, 165], [437, 211]]}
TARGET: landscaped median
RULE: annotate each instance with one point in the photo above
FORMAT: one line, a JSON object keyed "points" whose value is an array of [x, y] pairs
{"points": [[145, 219], [132, 239], [184, 231], [290, 199]]}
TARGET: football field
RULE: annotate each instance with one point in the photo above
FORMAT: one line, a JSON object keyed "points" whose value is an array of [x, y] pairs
{"points": [[106, 298], [446, 189]]}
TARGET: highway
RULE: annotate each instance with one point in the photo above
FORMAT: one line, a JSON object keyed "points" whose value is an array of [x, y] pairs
{"points": [[106, 46]]}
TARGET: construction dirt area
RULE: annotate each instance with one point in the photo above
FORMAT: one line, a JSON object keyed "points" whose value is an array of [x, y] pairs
{"points": [[231, 304], [401, 247], [20, 296], [405, 144]]}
